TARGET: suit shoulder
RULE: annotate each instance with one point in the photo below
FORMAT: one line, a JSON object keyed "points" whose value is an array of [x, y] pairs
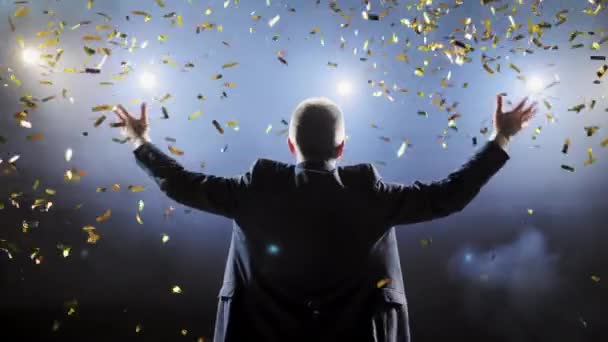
{"points": [[268, 171], [361, 175], [264, 164]]}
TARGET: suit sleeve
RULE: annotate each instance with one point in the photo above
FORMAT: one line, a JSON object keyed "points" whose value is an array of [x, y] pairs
{"points": [[217, 195], [402, 204]]}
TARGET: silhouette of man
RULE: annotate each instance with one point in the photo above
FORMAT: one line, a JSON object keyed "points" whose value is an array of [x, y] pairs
{"points": [[313, 255]]}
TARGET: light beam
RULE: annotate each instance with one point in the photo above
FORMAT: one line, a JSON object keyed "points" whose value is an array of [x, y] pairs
{"points": [[344, 88], [30, 56], [535, 84], [147, 80]]}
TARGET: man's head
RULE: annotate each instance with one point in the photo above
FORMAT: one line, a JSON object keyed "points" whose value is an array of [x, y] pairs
{"points": [[316, 130]]}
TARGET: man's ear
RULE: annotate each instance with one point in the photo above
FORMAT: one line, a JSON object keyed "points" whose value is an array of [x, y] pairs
{"points": [[340, 149], [292, 147]]}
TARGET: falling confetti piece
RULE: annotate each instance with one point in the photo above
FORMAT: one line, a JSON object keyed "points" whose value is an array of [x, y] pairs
{"points": [[164, 238], [230, 65], [105, 216], [176, 289], [595, 278], [138, 218], [402, 149], [176, 151], [92, 237], [218, 127], [274, 20], [426, 242], [382, 282], [21, 11], [567, 168], [566, 146], [136, 188], [68, 154]]}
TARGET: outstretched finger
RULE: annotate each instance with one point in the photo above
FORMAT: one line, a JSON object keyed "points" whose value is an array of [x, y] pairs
{"points": [[520, 105], [499, 103], [124, 112], [120, 114], [144, 113], [530, 108], [529, 114]]}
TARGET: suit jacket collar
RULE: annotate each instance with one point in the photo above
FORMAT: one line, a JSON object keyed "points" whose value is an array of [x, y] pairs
{"points": [[317, 165]]}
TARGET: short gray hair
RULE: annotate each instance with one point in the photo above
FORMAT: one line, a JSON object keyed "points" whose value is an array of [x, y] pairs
{"points": [[317, 128]]}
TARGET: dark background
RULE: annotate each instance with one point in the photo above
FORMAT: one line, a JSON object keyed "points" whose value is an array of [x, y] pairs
{"points": [[492, 272]]}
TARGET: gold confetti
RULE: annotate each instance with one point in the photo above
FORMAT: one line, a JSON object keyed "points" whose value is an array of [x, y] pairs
{"points": [[176, 289], [382, 282], [88, 38], [176, 151], [230, 65], [138, 218], [146, 15], [590, 160], [136, 188], [194, 115], [105, 216], [103, 108], [21, 11], [602, 71], [92, 237], [65, 250], [164, 238]]}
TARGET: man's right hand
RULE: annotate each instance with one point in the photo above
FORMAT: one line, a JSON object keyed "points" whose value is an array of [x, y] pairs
{"points": [[507, 124], [136, 130]]}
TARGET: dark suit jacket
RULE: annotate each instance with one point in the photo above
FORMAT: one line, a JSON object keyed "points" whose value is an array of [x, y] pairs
{"points": [[313, 255]]}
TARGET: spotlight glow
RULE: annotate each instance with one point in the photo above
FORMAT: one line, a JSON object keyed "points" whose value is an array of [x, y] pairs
{"points": [[535, 84], [30, 56], [147, 80], [344, 88]]}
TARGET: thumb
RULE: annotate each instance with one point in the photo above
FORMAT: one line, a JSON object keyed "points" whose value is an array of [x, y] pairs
{"points": [[144, 113], [499, 103]]}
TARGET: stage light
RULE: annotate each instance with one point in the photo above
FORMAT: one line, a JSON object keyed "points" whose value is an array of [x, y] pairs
{"points": [[535, 84], [468, 257], [30, 56], [344, 88], [147, 80]]}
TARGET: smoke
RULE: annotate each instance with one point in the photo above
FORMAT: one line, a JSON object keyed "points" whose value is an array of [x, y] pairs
{"points": [[523, 267], [511, 290]]}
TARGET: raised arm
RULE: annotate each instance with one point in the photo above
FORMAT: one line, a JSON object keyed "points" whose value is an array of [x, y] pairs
{"points": [[419, 202], [218, 195]]}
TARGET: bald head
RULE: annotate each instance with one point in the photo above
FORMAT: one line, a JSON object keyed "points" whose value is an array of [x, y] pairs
{"points": [[316, 130]]}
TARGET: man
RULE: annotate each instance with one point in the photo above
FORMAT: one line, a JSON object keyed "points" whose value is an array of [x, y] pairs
{"points": [[313, 255]]}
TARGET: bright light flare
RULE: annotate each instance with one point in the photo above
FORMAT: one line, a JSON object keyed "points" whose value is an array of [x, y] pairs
{"points": [[344, 88], [147, 80], [30, 56], [535, 84]]}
